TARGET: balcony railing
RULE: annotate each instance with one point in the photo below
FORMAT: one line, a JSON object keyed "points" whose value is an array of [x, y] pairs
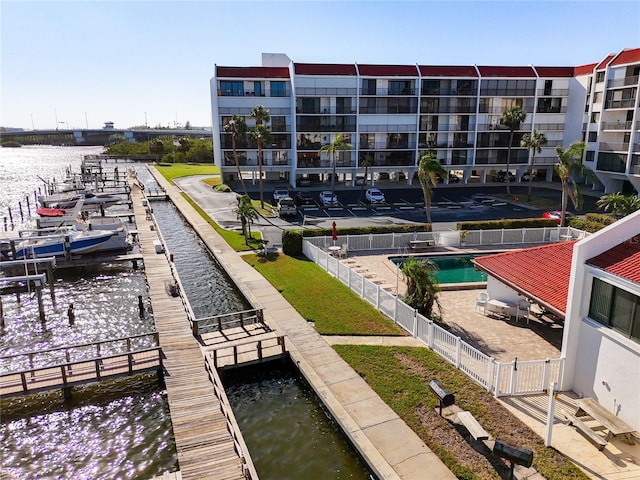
{"points": [[616, 125], [389, 110], [613, 147], [555, 92], [549, 126], [388, 146], [388, 92], [551, 109], [326, 92], [609, 163], [629, 103], [622, 82], [507, 92], [446, 92], [250, 93]]}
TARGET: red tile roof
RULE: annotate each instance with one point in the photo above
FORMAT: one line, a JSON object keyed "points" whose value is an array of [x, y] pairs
{"points": [[603, 64], [628, 55], [388, 70], [325, 69], [539, 273], [555, 71], [252, 72], [506, 72], [448, 71], [584, 69], [622, 260]]}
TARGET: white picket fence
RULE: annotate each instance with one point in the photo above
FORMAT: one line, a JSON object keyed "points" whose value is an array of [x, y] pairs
{"points": [[499, 378]]}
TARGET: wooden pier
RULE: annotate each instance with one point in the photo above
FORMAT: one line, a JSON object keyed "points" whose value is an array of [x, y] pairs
{"points": [[78, 364], [208, 441]]}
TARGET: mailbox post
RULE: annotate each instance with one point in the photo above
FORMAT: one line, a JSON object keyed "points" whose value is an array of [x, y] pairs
{"points": [[445, 397], [515, 455]]}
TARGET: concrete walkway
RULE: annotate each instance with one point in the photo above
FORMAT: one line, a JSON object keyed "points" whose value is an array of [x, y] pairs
{"points": [[389, 446]]}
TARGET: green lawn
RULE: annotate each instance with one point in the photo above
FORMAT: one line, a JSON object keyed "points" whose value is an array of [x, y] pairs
{"points": [[321, 299], [400, 376], [176, 170]]}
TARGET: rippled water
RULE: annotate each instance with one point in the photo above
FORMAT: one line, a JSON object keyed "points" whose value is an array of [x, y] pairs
{"points": [[288, 433]]}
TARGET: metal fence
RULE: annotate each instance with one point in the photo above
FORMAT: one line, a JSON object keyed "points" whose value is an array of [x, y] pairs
{"points": [[500, 378], [473, 238]]}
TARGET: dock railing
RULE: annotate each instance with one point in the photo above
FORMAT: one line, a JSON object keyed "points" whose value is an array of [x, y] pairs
{"points": [[226, 320], [500, 378]]}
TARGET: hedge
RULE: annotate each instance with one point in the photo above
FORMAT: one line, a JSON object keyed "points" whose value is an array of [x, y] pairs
{"points": [[507, 224], [292, 239]]}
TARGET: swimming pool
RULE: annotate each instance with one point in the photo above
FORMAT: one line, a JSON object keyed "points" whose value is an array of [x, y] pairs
{"points": [[452, 268]]}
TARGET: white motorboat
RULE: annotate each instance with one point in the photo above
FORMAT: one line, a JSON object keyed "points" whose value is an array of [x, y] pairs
{"points": [[67, 241]]}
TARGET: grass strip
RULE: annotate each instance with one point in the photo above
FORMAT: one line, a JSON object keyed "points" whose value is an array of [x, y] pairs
{"points": [[319, 298], [400, 376], [176, 170]]}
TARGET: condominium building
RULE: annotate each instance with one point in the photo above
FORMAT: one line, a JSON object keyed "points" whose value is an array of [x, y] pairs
{"points": [[392, 114]]}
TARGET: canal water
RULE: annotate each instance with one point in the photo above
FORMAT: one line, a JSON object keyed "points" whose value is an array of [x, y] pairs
{"points": [[122, 429]]}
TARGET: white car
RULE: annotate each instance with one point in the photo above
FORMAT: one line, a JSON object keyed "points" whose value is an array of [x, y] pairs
{"points": [[327, 198], [375, 196], [280, 193]]}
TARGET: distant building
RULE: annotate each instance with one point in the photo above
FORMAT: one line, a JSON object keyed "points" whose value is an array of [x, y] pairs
{"points": [[108, 126], [392, 114]]}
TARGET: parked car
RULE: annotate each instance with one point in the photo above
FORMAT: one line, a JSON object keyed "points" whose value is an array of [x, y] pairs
{"points": [[360, 181], [557, 215], [280, 193], [501, 176], [304, 198], [374, 195], [528, 175], [287, 207], [327, 198], [452, 178]]}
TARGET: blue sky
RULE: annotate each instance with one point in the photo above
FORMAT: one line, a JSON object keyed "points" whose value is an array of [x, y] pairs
{"points": [[86, 62]]}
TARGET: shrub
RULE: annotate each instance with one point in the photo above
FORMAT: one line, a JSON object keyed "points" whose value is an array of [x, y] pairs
{"points": [[599, 218], [223, 187], [507, 224]]}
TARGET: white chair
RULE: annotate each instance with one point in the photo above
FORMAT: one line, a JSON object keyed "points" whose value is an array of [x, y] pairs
{"points": [[342, 253], [523, 310], [481, 302]]}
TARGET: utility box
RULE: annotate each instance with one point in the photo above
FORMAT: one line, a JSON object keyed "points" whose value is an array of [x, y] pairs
{"points": [[157, 244]]}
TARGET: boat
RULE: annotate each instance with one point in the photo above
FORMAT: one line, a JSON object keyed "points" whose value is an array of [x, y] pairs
{"points": [[90, 200], [51, 212], [61, 242]]}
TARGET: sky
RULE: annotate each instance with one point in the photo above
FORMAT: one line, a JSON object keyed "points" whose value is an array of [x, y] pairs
{"points": [[78, 64]]}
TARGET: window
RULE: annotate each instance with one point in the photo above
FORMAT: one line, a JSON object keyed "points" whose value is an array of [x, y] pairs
{"points": [[547, 87], [278, 89], [257, 89], [597, 97], [599, 77], [615, 307], [231, 88], [593, 137], [595, 116], [368, 86], [589, 156]]}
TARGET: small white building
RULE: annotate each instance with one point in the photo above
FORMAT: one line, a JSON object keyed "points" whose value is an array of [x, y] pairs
{"points": [[594, 285]]}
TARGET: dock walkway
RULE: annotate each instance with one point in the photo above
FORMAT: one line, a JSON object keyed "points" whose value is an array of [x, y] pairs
{"points": [[206, 448], [390, 448]]}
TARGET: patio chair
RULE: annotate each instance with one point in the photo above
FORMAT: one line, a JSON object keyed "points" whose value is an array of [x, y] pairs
{"points": [[481, 302], [523, 310], [342, 253]]}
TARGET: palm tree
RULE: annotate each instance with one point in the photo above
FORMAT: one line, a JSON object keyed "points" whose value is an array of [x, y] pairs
{"points": [[429, 169], [260, 133], [512, 118], [570, 164], [533, 142], [422, 285], [237, 127], [366, 162], [156, 147], [247, 214], [620, 205], [339, 142]]}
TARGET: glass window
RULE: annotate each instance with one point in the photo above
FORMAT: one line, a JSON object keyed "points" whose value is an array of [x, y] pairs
{"points": [[601, 294], [623, 308], [231, 88], [593, 136], [278, 89]]}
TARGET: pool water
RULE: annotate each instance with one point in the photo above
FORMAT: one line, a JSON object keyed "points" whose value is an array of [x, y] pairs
{"points": [[452, 268]]}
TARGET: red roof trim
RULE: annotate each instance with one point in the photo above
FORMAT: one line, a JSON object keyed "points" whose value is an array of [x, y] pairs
{"points": [[622, 260], [448, 71], [603, 64], [626, 56], [506, 72], [584, 69], [252, 72], [388, 70], [540, 273], [555, 71], [324, 69]]}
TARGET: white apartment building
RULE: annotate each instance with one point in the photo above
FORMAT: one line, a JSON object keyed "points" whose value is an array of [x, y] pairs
{"points": [[392, 114]]}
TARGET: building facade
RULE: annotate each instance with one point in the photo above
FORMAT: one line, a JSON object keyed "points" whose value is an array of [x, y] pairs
{"points": [[392, 114]]}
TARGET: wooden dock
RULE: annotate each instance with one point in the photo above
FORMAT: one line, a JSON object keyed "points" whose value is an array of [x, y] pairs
{"points": [[208, 442]]}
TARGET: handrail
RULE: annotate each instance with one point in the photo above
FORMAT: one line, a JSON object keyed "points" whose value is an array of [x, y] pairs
{"points": [[250, 316], [260, 347]]}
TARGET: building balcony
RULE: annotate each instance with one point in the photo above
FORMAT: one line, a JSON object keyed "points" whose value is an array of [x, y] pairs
{"points": [[616, 125], [628, 103], [611, 162], [555, 92], [551, 109], [389, 110], [548, 127], [388, 146], [326, 92], [622, 82], [613, 147], [388, 92]]}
